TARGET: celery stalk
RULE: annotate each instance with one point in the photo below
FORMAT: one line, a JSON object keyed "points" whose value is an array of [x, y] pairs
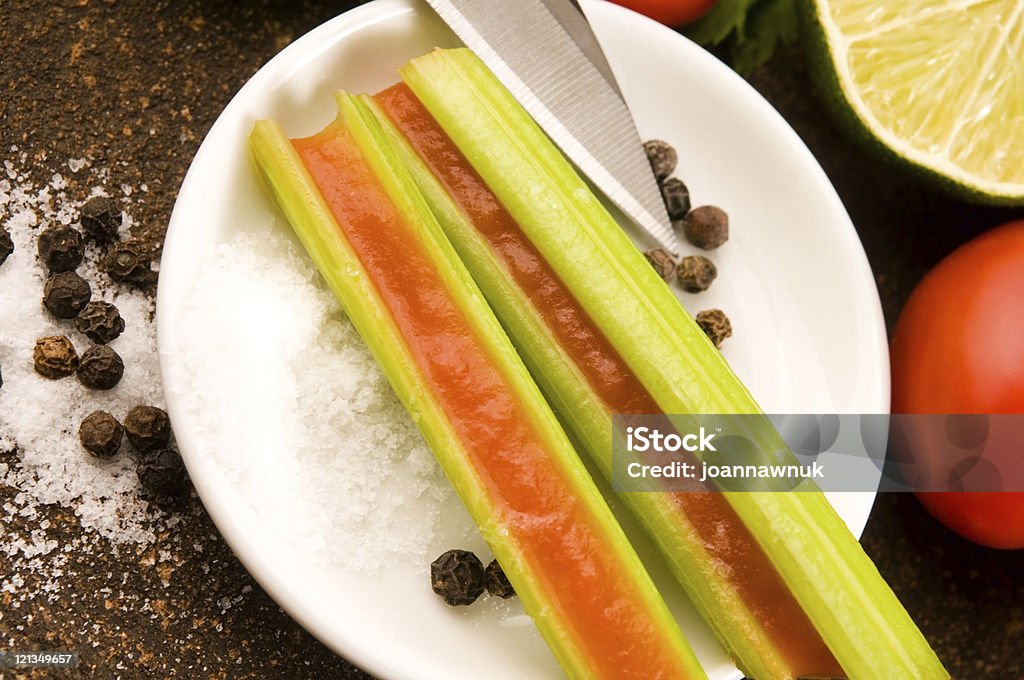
{"points": [[854, 610], [591, 423], [298, 198]]}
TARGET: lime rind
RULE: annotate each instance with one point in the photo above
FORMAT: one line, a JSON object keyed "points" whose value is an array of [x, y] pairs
{"points": [[937, 87]]}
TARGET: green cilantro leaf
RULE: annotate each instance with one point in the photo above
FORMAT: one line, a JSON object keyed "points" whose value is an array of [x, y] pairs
{"points": [[725, 18], [749, 31], [771, 24]]}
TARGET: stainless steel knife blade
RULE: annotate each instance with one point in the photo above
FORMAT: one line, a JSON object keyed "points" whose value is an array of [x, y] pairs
{"points": [[546, 54], [575, 23]]}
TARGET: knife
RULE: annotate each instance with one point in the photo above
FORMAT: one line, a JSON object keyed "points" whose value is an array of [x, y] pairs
{"points": [[546, 54]]}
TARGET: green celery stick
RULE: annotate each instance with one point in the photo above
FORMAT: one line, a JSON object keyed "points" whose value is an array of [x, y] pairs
{"points": [[296, 194], [858, 616], [590, 422]]}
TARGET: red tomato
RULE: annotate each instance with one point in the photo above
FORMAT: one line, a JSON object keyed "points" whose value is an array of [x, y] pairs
{"points": [[670, 12], [959, 348]]}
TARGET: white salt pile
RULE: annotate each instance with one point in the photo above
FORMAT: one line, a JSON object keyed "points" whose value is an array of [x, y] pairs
{"points": [[293, 415], [38, 417]]}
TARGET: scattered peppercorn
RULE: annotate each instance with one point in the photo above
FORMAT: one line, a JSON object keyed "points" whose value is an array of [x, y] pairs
{"points": [[101, 368], [100, 322], [128, 262], [101, 218], [55, 357], [676, 197], [662, 157], [162, 473], [662, 262], [696, 273], [100, 434], [66, 294], [497, 583], [715, 325], [60, 248], [706, 227], [458, 577], [147, 428], [6, 244]]}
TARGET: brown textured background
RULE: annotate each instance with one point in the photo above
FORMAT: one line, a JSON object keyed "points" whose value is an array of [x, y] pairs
{"points": [[135, 86]]}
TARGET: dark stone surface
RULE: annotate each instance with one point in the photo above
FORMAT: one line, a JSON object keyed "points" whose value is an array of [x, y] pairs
{"points": [[135, 86]]}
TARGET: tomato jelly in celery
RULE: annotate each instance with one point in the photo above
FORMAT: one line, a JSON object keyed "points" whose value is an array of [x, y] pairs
{"points": [[556, 534], [725, 538]]}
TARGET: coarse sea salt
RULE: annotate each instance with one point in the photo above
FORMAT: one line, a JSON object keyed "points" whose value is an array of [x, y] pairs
{"points": [[39, 418], [295, 419], [77, 164]]}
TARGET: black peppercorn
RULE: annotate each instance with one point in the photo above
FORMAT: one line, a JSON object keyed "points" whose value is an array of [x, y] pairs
{"points": [[55, 357], [458, 577], [662, 158], [66, 294], [60, 248], [148, 428], [696, 273], [101, 219], [715, 325], [162, 473], [497, 583], [676, 197], [100, 434], [100, 322], [101, 368], [128, 262], [662, 262], [6, 244], [706, 227]]}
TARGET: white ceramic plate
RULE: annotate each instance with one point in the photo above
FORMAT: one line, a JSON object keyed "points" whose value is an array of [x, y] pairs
{"points": [[794, 279]]}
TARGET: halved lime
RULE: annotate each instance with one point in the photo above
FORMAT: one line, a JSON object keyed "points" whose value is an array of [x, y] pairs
{"points": [[939, 83]]}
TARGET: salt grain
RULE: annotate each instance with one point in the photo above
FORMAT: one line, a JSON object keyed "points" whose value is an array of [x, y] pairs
{"points": [[77, 164]]}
